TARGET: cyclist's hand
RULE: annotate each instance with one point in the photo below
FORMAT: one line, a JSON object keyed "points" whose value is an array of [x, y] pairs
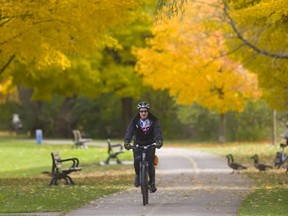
{"points": [[159, 144], [127, 146]]}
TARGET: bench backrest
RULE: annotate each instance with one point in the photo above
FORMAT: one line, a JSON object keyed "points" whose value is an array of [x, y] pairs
{"points": [[77, 135], [119, 147], [109, 146], [56, 160]]}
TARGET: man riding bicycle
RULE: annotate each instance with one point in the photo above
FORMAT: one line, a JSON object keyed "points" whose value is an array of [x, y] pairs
{"points": [[145, 129]]}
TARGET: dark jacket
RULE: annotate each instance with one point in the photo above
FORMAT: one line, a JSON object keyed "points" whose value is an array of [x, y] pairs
{"points": [[153, 134]]}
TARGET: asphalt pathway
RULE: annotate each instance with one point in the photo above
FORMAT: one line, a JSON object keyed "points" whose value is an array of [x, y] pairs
{"points": [[189, 182]]}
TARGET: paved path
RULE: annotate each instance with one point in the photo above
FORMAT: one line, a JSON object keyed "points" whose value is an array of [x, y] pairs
{"points": [[189, 183]]}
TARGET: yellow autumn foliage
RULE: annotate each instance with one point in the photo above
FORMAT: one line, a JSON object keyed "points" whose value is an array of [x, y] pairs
{"points": [[262, 44], [46, 31], [7, 88], [187, 57], [57, 45]]}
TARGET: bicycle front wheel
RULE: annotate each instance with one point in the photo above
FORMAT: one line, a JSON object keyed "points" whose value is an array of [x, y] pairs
{"points": [[144, 183]]}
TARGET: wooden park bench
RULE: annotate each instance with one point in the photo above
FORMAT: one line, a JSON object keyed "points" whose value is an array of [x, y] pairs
{"points": [[113, 151], [59, 172], [79, 141]]}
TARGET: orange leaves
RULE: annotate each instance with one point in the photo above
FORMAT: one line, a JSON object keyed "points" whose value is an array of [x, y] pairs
{"points": [[187, 56]]}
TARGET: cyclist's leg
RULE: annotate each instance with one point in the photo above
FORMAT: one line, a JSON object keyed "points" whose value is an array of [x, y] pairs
{"points": [[152, 174], [137, 159], [150, 158]]}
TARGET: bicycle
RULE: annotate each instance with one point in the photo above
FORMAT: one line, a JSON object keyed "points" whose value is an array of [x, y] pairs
{"points": [[144, 167], [281, 159]]}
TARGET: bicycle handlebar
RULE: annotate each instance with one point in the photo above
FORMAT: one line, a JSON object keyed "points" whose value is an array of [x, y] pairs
{"points": [[137, 146]]}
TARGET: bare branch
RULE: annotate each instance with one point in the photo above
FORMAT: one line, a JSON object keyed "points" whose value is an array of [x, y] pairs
{"points": [[4, 21], [248, 43], [7, 64]]}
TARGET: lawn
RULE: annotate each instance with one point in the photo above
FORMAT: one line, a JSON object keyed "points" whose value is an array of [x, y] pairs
{"points": [[24, 179]]}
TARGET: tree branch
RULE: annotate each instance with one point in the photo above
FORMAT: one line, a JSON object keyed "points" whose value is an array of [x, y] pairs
{"points": [[245, 41], [7, 64]]}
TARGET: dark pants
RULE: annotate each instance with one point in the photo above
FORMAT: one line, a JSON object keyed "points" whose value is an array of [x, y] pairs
{"points": [[150, 158]]}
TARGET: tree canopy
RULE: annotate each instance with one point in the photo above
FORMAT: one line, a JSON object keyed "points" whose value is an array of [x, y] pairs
{"points": [[51, 40], [45, 32], [187, 56], [260, 42]]}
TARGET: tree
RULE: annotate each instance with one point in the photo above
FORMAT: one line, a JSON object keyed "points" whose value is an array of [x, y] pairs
{"points": [[45, 32], [47, 37], [260, 42], [97, 62], [257, 37], [56, 47], [187, 56], [118, 65]]}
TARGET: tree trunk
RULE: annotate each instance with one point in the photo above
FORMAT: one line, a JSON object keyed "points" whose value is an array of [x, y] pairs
{"points": [[127, 110], [33, 118], [63, 122], [222, 132], [274, 132]]}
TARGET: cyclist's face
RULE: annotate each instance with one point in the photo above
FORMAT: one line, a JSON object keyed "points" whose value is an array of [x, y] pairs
{"points": [[143, 113]]}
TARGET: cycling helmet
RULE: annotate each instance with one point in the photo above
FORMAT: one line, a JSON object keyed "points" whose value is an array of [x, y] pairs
{"points": [[143, 104]]}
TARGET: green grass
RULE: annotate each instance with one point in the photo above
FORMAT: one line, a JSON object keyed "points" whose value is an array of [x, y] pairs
{"points": [[34, 195], [24, 179]]}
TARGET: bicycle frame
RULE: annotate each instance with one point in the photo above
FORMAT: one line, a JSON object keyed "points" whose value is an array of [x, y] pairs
{"points": [[144, 167]]}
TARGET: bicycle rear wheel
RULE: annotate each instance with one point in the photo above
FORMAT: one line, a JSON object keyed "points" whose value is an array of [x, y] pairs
{"points": [[144, 183]]}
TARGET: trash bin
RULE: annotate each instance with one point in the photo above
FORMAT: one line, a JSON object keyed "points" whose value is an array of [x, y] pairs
{"points": [[39, 136]]}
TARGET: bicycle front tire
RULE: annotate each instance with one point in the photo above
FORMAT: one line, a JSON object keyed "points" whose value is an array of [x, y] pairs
{"points": [[144, 183]]}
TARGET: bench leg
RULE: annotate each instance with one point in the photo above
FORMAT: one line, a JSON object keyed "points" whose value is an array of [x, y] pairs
{"points": [[115, 157], [53, 181], [107, 161], [118, 160], [69, 180]]}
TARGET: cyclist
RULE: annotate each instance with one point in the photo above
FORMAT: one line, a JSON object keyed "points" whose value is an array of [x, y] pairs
{"points": [[145, 129]]}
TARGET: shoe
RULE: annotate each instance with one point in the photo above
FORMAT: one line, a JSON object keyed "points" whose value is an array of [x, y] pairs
{"points": [[153, 188], [136, 181]]}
